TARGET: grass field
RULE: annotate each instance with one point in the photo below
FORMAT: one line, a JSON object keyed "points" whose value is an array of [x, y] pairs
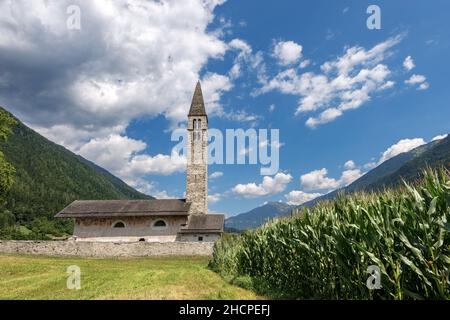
{"points": [[33, 277]]}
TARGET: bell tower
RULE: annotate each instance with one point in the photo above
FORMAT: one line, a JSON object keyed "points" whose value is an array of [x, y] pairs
{"points": [[197, 157]]}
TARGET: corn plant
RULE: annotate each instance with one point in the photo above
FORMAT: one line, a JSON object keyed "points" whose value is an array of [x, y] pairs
{"points": [[324, 252]]}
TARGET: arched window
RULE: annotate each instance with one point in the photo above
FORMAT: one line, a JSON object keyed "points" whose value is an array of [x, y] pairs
{"points": [[119, 224], [160, 224]]}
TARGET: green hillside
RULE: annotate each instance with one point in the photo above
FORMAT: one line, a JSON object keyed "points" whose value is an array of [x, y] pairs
{"points": [[49, 177], [436, 155], [407, 166]]}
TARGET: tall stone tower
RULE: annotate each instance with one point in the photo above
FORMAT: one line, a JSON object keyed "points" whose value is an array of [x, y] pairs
{"points": [[197, 158]]}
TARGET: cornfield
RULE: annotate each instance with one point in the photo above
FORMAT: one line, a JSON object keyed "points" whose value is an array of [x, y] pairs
{"points": [[324, 252]]}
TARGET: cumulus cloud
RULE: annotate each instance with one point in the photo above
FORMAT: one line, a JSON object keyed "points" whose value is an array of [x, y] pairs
{"points": [[213, 198], [131, 58], [348, 176], [244, 56], [418, 79], [297, 197], [408, 63], [319, 180], [287, 52], [305, 63], [423, 86], [124, 158], [415, 79], [350, 164], [216, 175], [269, 186], [346, 83], [439, 137], [403, 145]]}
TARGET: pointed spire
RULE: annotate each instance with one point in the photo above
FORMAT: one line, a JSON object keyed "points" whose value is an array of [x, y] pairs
{"points": [[197, 105]]}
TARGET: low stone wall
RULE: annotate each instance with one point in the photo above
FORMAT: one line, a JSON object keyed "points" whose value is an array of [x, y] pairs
{"points": [[107, 249]]}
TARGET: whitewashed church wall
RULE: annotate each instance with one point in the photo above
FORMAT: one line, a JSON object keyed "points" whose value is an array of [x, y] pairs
{"points": [[101, 229]]}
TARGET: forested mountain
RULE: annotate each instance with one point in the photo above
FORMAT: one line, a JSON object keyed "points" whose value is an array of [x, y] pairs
{"points": [[48, 177], [406, 166]]}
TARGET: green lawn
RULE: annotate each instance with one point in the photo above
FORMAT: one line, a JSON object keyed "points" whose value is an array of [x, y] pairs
{"points": [[35, 277]]}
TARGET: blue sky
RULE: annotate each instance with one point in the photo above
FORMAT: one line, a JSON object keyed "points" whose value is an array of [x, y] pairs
{"points": [[344, 97]]}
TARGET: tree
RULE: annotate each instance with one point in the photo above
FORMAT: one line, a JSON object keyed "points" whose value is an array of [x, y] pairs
{"points": [[6, 169]]}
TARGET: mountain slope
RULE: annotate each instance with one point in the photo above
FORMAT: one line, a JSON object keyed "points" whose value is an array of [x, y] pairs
{"points": [[436, 155], [49, 177], [254, 218], [406, 166]]}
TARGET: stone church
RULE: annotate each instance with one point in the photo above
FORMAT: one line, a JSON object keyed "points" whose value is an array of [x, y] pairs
{"points": [[157, 220]]}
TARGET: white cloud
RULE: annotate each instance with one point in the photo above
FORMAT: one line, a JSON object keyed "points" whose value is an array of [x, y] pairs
{"points": [[242, 116], [269, 186], [287, 52], [324, 117], [370, 165], [216, 175], [423, 86], [213, 86], [415, 79], [348, 176], [305, 63], [319, 180], [213, 198], [420, 80], [266, 144], [408, 63], [272, 108], [350, 164], [296, 198], [439, 137], [345, 83], [388, 84], [161, 195], [123, 157], [244, 56], [403, 145], [131, 58]]}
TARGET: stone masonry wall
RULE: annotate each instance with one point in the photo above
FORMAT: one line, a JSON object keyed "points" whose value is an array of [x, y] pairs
{"points": [[197, 167], [106, 249]]}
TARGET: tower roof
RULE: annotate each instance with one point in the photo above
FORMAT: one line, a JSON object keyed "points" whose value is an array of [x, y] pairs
{"points": [[197, 105]]}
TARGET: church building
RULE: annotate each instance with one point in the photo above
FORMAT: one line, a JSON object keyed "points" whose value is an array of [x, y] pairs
{"points": [[157, 220]]}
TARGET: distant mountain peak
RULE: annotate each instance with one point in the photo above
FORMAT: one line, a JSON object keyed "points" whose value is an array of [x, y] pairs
{"points": [[258, 216]]}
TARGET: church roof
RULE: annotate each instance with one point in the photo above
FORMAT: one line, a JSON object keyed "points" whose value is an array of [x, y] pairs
{"points": [[197, 105], [124, 208], [204, 223]]}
